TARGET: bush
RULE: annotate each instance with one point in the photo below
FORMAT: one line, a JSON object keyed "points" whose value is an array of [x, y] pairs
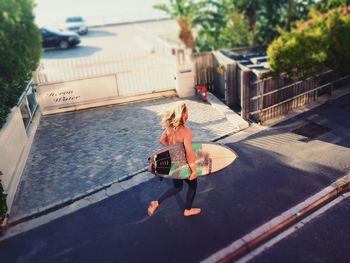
{"points": [[320, 42], [337, 26], [325, 5], [20, 51], [3, 204]]}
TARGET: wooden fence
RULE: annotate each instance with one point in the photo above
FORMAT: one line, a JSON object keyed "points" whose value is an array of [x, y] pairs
{"points": [[276, 97], [258, 96], [203, 70]]}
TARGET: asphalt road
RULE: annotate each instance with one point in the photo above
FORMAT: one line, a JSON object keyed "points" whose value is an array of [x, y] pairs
{"points": [[277, 169], [325, 239]]}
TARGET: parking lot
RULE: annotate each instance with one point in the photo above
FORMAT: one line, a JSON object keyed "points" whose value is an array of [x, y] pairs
{"points": [[128, 38]]}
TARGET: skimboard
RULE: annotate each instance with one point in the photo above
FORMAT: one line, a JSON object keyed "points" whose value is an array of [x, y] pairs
{"points": [[171, 162]]}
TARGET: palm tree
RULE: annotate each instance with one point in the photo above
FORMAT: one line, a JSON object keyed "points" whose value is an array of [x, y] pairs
{"points": [[249, 8], [184, 11]]}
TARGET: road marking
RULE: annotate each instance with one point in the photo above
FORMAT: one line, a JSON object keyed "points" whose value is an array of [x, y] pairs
{"points": [[259, 250], [244, 245]]}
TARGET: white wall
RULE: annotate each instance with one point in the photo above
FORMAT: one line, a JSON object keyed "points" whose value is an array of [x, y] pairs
{"points": [[104, 90], [14, 150], [185, 81], [77, 92]]}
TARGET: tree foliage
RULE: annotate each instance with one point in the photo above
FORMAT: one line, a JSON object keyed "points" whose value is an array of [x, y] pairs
{"points": [[323, 41], [220, 25], [20, 51], [266, 17], [3, 204], [325, 5], [216, 24]]}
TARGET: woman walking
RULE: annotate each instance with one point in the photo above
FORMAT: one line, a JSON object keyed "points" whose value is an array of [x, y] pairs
{"points": [[175, 132]]}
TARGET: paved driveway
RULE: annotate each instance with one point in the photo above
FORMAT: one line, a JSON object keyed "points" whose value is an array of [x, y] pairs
{"points": [[77, 152]]}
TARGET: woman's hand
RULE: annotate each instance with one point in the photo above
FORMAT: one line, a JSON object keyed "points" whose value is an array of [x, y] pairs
{"points": [[189, 155], [193, 176]]}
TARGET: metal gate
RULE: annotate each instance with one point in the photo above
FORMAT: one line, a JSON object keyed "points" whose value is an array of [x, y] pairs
{"points": [[71, 82]]}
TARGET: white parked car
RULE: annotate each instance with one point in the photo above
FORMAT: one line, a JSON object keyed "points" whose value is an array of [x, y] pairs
{"points": [[76, 24]]}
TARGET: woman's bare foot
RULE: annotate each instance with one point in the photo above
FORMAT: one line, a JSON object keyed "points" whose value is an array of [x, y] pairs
{"points": [[192, 212], [152, 207]]}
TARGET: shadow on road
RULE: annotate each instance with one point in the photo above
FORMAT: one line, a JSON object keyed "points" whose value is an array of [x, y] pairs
{"points": [[258, 187], [99, 33], [74, 52], [333, 115]]}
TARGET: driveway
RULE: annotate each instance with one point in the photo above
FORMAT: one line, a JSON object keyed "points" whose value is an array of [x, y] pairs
{"points": [[79, 152]]}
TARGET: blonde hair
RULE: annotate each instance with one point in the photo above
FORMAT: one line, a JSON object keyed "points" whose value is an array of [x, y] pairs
{"points": [[173, 118]]}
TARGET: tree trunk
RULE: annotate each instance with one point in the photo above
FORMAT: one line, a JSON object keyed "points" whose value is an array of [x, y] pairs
{"points": [[186, 35], [251, 14]]}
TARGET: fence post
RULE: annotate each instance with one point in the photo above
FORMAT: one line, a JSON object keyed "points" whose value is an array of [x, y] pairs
{"points": [[203, 75], [231, 85], [215, 75], [245, 94], [261, 101]]}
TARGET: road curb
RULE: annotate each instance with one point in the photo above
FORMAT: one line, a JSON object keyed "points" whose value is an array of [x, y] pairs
{"points": [[68, 201], [247, 243], [230, 115]]}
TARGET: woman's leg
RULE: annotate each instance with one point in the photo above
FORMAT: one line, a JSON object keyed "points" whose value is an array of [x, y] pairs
{"points": [[178, 183], [172, 191], [192, 188]]}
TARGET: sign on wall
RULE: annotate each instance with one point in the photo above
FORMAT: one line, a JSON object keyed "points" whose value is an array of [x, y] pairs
{"points": [[77, 92]]}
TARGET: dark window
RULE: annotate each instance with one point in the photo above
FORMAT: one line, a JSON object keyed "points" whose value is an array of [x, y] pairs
{"points": [[74, 19]]}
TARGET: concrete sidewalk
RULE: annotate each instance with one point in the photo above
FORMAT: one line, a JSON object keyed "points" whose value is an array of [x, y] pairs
{"points": [[277, 170], [78, 153]]}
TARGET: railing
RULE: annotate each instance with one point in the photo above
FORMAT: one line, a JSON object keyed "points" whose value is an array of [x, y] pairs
{"points": [[28, 104], [154, 42], [73, 69], [275, 97]]}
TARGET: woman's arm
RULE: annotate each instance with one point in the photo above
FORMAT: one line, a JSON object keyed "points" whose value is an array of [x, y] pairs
{"points": [[164, 139], [189, 154]]}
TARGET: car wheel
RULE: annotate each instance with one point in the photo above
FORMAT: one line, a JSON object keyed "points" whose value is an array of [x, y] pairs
{"points": [[63, 44]]}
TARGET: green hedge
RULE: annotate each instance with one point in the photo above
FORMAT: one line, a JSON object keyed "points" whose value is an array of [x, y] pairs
{"points": [[323, 41], [20, 51], [3, 204]]}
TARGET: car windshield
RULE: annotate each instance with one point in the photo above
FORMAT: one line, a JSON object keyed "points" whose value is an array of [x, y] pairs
{"points": [[74, 19], [50, 30]]}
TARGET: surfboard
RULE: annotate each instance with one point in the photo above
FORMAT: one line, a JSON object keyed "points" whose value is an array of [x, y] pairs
{"points": [[171, 162]]}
